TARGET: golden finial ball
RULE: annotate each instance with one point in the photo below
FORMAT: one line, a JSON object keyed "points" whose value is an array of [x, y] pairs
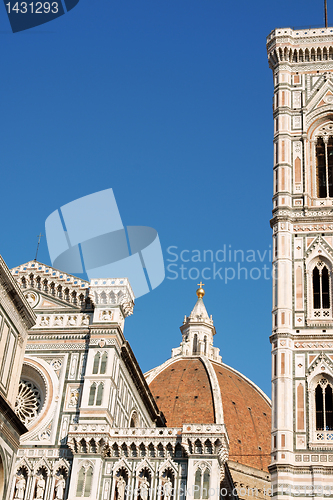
{"points": [[200, 292]]}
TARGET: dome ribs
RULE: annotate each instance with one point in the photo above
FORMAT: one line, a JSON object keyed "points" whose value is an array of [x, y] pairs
{"points": [[244, 415], [183, 390]]}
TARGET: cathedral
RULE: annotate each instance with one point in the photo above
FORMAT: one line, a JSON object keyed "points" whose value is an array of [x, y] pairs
{"points": [[78, 417], [97, 428]]}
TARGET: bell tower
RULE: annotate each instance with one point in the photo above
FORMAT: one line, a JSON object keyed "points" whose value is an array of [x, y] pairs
{"points": [[302, 223]]}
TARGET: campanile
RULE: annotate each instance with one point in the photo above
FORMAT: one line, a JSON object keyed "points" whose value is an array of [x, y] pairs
{"points": [[302, 223]]}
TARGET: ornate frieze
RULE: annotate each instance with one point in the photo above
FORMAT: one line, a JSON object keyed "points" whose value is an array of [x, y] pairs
{"points": [[46, 321]]}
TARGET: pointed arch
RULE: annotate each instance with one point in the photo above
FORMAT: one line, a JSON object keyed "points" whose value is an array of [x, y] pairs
{"points": [[195, 344], [197, 483], [92, 394], [205, 483], [319, 287], [99, 396], [97, 358], [104, 363]]}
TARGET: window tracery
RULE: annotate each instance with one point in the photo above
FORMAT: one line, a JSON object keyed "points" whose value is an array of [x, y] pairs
{"points": [[28, 402], [321, 287], [84, 481], [324, 406], [99, 365], [319, 284], [96, 394], [321, 409], [324, 161], [201, 482]]}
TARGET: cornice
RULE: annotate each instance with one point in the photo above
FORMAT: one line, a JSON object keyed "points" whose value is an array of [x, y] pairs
{"points": [[301, 469]]}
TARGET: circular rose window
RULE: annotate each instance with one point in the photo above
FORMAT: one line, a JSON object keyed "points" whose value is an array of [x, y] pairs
{"points": [[31, 395], [28, 402]]}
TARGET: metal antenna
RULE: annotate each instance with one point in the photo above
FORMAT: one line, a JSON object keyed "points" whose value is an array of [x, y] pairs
{"points": [[39, 237], [326, 14]]}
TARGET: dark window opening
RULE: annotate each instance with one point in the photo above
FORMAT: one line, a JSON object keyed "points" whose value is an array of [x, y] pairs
{"points": [[329, 408], [319, 409], [324, 407], [321, 288]]}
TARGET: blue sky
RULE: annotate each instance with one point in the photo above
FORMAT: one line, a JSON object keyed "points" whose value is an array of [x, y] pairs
{"points": [[169, 103]]}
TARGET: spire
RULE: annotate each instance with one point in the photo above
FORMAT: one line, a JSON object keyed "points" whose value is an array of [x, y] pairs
{"points": [[198, 331]]}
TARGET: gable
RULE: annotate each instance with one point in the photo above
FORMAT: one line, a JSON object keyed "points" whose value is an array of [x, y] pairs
{"points": [[49, 290]]}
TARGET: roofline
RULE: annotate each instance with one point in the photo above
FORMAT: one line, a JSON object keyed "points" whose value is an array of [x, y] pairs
{"points": [[16, 295], [150, 376], [142, 386], [50, 267]]}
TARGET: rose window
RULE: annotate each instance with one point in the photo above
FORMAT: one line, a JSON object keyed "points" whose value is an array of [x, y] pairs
{"points": [[28, 402]]}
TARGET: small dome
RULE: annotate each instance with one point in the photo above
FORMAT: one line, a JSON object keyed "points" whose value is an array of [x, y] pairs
{"points": [[182, 387]]}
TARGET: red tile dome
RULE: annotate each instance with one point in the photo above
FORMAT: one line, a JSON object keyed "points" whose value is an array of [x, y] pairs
{"points": [[183, 391]]}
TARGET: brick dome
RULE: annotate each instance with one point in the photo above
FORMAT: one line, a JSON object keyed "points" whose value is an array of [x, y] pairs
{"points": [[184, 391]]}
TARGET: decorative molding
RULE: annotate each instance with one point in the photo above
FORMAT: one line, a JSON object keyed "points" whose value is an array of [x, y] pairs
{"points": [[113, 292]]}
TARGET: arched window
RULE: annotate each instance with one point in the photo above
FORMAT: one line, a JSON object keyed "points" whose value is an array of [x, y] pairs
{"points": [[205, 484], [99, 397], [324, 163], [84, 482], [201, 481], [92, 395], [103, 363], [198, 446], [321, 287], [96, 363], [205, 345], [134, 419], [195, 343], [96, 399], [324, 406], [100, 363], [197, 488]]}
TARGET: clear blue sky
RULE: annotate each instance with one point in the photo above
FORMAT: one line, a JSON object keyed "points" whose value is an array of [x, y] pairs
{"points": [[169, 103]]}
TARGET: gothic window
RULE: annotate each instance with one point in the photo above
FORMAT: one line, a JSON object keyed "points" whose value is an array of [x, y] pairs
{"points": [[321, 287], [198, 446], [197, 487], [99, 397], [96, 363], [205, 483], [324, 406], [96, 394], [134, 420], [103, 363], [84, 482], [92, 394], [324, 167], [195, 343], [201, 481], [100, 362]]}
